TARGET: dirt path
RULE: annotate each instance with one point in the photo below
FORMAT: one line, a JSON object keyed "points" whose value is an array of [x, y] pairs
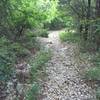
{"points": [[63, 80]]}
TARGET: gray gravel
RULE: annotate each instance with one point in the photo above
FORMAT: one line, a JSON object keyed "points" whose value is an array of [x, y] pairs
{"points": [[63, 81]]}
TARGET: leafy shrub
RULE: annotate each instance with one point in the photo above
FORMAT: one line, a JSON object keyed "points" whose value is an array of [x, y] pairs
{"points": [[7, 59], [68, 36], [93, 74], [39, 62], [9, 52], [33, 92]]}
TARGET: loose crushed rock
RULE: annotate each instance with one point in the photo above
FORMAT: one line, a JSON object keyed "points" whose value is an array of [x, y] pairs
{"points": [[63, 82]]}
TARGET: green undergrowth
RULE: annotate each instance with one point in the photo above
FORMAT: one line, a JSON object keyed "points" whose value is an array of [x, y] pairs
{"points": [[98, 93], [93, 73], [38, 63], [38, 33], [11, 52], [32, 94], [29, 40], [41, 33], [69, 36]]}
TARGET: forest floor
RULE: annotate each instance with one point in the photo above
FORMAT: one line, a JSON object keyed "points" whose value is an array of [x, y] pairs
{"points": [[63, 81]]}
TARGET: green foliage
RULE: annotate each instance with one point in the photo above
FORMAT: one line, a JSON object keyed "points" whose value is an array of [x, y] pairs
{"points": [[69, 36], [7, 59], [35, 11], [63, 36], [96, 59], [16, 17], [28, 40], [93, 74], [62, 20], [98, 93], [86, 21], [39, 62], [33, 93], [25, 14], [55, 24], [9, 53], [41, 33], [19, 50], [5, 70]]}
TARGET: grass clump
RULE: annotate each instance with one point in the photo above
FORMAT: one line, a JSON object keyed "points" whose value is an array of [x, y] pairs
{"points": [[68, 36], [93, 74]]}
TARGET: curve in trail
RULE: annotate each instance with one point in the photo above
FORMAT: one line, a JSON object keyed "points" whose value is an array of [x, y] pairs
{"points": [[63, 81]]}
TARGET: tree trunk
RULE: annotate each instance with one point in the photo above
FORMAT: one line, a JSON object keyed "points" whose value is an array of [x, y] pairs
{"points": [[98, 8], [85, 35], [98, 21]]}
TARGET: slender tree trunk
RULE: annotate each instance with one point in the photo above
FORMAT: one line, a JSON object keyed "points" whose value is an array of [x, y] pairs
{"points": [[98, 8], [98, 21], [88, 18]]}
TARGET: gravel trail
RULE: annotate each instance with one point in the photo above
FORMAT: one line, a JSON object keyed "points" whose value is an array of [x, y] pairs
{"points": [[63, 81]]}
